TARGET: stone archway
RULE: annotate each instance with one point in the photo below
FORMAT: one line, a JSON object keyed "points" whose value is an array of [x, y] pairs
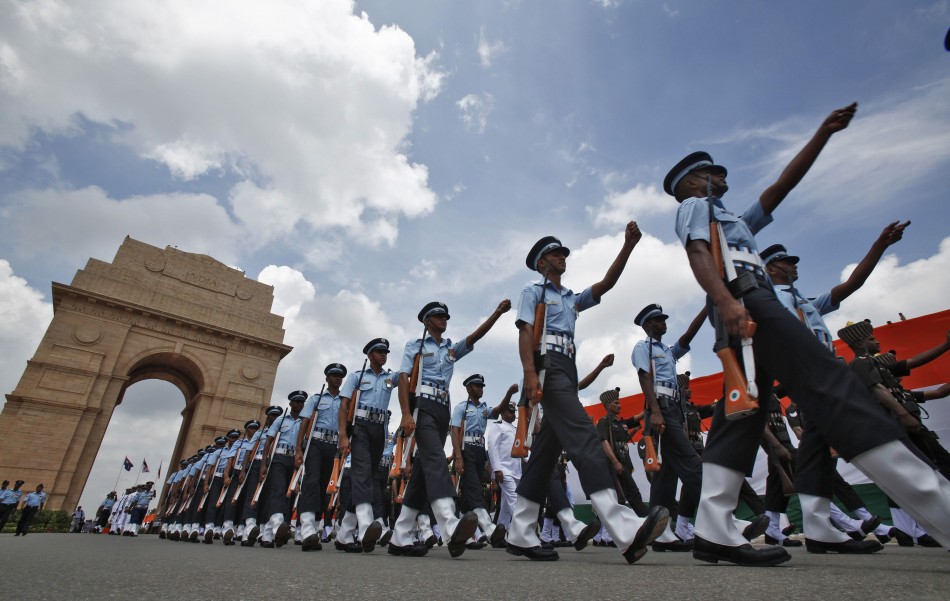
{"points": [[180, 317]]}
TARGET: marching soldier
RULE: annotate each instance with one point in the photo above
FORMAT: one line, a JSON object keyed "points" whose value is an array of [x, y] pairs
{"points": [[211, 486], [140, 504], [430, 361], [102, 514], [233, 473], [370, 389], [656, 368], [253, 462], [468, 423], [281, 448], [566, 424], [319, 415], [783, 350]]}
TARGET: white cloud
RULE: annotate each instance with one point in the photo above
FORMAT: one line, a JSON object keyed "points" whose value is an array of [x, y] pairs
{"points": [[608, 3], [25, 318], [489, 50], [312, 101], [618, 208], [475, 109], [914, 289], [71, 226]]}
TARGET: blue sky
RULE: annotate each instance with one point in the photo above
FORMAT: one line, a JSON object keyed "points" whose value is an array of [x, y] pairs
{"points": [[367, 158]]}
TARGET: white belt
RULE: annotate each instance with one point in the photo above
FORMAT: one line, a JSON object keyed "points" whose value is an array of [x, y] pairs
{"points": [[326, 436], [476, 440], [560, 343], [665, 391], [377, 416], [284, 451], [431, 392]]}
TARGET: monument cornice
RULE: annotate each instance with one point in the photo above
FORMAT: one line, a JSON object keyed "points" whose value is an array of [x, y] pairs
{"points": [[181, 327]]}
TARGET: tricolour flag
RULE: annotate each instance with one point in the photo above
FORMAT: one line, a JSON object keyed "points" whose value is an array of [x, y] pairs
{"points": [[127, 464], [144, 467]]}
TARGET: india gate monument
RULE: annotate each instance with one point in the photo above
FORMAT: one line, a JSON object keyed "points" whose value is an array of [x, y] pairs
{"points": [[151, 313]]}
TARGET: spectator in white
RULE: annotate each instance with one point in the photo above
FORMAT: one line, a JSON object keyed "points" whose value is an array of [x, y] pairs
{"points": [[500, 437]]}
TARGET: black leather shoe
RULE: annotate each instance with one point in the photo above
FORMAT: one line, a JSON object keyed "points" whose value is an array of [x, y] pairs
{"points": [[267, 545], [228, 538], [352, 548], [431, 541], [408, 551], [372, 534], [785, 542], [311, 543], [282, 535], [744, 555], [298, 542], [589, 532], [162, 535], [855, 547], [533, 553], [903, 539], [476, 545], [927, 541], [463, 531], [868, 526], [252, 535], [249, 542], [680, 546], [498, 537], [756, 527], [384, 539], [652, 527], [339, 546], [789, 530]]}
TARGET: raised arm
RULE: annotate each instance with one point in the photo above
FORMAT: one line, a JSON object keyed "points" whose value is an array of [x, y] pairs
{"points": [[693, 328], [503, 307], [891, 234], [631, 236], [929, 355], [799, 166], [606, 362], [496, 410]]}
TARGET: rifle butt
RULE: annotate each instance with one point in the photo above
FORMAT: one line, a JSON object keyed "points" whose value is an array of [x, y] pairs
{"points": [[334, 486], [739, 403], [519, 449], [651, 462]]}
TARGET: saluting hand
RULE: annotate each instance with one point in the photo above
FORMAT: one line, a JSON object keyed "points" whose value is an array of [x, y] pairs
{"points": [[607, 361], [893, 232], [839, 118], [632, 233], [503, 307]]}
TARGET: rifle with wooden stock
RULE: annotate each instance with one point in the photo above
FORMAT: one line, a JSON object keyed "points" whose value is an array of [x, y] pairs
{"points": [[457, 476], [300, 470], [651, 459], [741, 392], [246, 468], [351, 409], [528, 412], [269, 460]]}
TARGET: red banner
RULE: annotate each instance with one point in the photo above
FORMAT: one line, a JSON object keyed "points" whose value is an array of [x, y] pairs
{"points": [[908, 338]]}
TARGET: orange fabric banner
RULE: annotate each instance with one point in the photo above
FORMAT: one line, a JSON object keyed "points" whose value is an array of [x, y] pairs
{"points": [[908, 338]]}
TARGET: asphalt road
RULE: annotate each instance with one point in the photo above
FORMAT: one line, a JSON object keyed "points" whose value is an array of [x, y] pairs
{"points": [[88, 566]]}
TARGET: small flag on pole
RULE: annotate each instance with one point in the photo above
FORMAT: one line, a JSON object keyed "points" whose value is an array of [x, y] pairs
{"points": [[127, 465], [144, 467]]}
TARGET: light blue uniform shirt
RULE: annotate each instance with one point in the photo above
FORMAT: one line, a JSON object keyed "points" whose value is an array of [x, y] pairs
{"points": [[288, 428], [438, 360], [144, 498], [390, 447], [108, 503], [374, 390], [328, 410], [195, 468], [664, 361], [476, 418], [7, 498], [692, 223], [562, 306], [34, 499], [813, 309], [212, 460], [246, 445]]}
